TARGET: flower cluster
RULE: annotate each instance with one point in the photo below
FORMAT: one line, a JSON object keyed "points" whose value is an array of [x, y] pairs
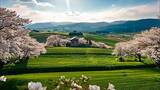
{"points": [[70, 84], [66, 84], [94, 87], [36, 86], [78, 84], [3, 78], [111, 87]]}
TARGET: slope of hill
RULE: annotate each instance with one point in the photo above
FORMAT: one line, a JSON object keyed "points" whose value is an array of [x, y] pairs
{"points": [[83, 27], [67, 26], [130, 26], [99, 27], [46, 25]]}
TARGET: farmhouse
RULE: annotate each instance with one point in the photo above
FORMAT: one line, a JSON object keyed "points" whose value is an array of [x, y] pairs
{"points": [[78, 42], [74, 41]]}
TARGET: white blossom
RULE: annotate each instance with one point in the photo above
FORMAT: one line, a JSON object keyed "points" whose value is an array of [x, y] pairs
{"points": [[3, 78], [36, 86], [94, 87], [75, 86], [84, 77], [111, 87]]}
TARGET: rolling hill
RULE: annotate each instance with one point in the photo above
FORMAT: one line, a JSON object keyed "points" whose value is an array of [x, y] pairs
{"points": [[99, 27], [130, 26]]}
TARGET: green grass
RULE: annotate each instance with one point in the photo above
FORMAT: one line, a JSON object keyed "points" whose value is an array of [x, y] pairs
{"points": [[130, 79], [77, 60], [101, 38], [74, 59], [96, 63], [70, 50], [42, 36]]}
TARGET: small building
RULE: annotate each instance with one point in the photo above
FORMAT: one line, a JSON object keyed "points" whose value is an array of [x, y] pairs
{"points": [[74, 41]]}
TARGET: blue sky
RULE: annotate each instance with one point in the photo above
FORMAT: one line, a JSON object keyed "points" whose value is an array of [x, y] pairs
{"points": [[82, 10]]}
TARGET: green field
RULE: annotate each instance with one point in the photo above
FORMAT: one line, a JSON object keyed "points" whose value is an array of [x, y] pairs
{"points": [[101, 38], [129, 79], [42, 36], [96, 63], [66, 59]]}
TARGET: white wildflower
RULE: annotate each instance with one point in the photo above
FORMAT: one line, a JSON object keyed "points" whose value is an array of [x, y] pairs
{"points": [[36, 86], [62, 77], [94, 87], [111, 87], [3, 78], [75, 85]]}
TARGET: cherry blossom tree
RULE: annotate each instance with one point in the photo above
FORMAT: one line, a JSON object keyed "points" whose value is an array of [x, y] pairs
{"points": [[146, 43], [149, 43], [15, 42], [56, 40], [130, 48]]}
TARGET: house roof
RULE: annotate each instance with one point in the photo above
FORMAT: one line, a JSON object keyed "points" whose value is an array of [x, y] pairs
{"points": [[74, 38]]}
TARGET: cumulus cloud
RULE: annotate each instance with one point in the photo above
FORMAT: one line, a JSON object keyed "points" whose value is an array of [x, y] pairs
{"points": [[35, 15], [43, 4], [136, 12]]}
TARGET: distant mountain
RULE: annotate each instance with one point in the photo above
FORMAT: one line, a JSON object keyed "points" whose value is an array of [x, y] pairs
{"points": [[67, 26], [130, 26], [83, 27], [99, 27], [46, 25], [117, 22]]}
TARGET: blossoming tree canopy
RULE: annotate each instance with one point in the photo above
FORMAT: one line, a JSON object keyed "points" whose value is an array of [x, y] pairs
{"points": [[15, 42], [147, 43]]}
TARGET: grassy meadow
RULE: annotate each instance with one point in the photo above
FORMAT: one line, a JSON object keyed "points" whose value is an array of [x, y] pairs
{"points": [[98, 64], [128, 79]]}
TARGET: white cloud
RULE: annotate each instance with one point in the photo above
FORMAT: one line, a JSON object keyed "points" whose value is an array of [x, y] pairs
{"points": [[42, 4], [137, 12], [34, 15]]}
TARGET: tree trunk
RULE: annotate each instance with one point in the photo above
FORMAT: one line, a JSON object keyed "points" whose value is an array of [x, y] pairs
{"points": [[1, 64], [157, 62], [121, 59], [139, 57], [23, 63]]}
